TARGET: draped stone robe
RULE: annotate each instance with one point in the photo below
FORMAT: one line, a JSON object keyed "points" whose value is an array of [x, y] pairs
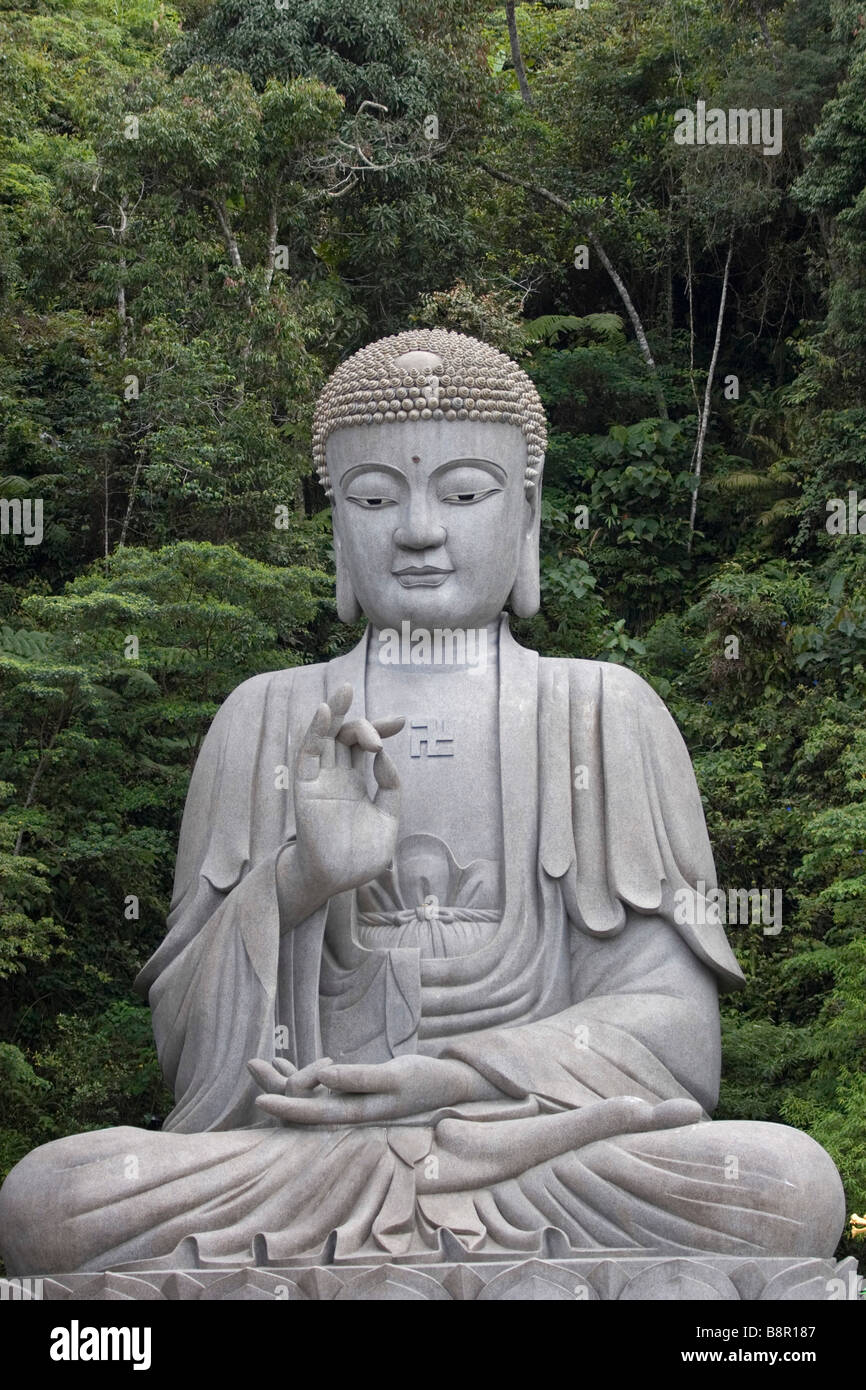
{"points": [[589, 987], [579, 864]]}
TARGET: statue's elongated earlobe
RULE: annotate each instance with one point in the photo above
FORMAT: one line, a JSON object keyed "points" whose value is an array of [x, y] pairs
{"points": [[525, 597], [348, 607]]}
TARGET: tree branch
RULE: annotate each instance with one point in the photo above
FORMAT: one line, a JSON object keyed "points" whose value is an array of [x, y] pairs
{"points": [[44, 760], [617, 280], [271, 257], [130, 503], [705, 413], [516, 55]]}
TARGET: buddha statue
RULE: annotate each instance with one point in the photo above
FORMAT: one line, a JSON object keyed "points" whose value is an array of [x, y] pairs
{"points": [[424, 980]]}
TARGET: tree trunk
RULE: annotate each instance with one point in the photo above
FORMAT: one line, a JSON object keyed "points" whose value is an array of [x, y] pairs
{"points": [[705, 413], [271, 257], [690, 290], [669, 305], [618, 282], [123, 530], [105, 513], [231, 243], [632, 312], [765, 35], [121, 311], [516, 55], [44, 759], [121, 288]]}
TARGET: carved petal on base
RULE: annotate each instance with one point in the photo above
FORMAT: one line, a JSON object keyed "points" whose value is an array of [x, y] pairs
{"points": [[182, 1287], [463, 1284], [678, 1280], [533, 1281], [750, 1280], [319, 1283], [609, 1278], [127, 1286], [394, 1283], [807, 1280], [252, 1285]]}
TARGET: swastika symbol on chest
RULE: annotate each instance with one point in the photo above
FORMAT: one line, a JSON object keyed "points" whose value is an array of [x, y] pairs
{"points": [[429, 738]]}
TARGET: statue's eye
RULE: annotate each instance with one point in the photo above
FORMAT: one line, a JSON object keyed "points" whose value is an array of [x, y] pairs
{"points": [[465, 499], [372, 502]]}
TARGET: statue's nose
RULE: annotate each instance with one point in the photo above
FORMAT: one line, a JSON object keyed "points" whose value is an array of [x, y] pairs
{"points": [[420, 531]]}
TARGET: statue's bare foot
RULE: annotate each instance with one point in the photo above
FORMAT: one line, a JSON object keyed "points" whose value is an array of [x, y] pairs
{"points": [[476, 1153]]}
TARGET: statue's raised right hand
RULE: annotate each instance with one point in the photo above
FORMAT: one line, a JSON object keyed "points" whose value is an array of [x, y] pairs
{"points": [[344, 837]]}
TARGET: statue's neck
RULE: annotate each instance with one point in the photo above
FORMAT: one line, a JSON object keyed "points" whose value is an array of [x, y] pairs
{"points": [[421, 650]]}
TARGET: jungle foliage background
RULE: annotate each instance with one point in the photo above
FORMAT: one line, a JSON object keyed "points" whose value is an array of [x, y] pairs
{"points": [[174, 292]]}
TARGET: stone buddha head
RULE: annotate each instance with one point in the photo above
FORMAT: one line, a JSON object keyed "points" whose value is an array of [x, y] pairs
{"points": [[430, 445]]}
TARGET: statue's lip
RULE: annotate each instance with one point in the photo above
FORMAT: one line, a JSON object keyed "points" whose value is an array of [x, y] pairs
{"points": [[419, 575], [424, 569]]}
